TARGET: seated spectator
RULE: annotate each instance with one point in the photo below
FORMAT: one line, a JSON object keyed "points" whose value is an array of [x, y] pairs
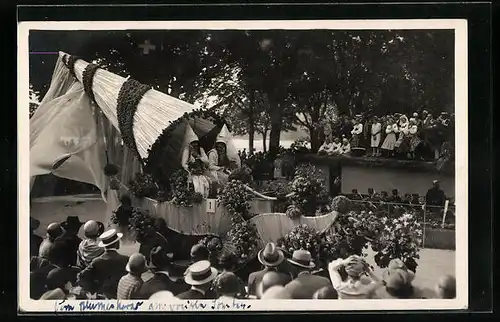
{"points": [[227, 286], [54, 230], [35, 240], [89, 247], [354, 287], [277, 293], [69, 239], [384, 196], [271, 257], [130, 284], [164, 276], [58, 285], [327, 147], [326, 293], [398, 283], [345, 149], [446, 287], [337, 146], [395, 198], [269, 280], [105, 271], [200, 276], [304, 284]]}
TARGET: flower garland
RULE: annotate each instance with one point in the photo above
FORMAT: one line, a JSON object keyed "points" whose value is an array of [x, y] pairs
{"points": [[301, 237], [70, 63], [183, 194], [143, 186], [243, 239], [129, 97], [236, 199], [88, 78]]}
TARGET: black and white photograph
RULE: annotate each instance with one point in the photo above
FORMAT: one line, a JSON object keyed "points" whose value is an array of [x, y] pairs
{"points": [[243, 165]]}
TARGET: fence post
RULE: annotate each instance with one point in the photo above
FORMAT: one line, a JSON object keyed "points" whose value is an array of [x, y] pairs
{"points": [[444, 212]]}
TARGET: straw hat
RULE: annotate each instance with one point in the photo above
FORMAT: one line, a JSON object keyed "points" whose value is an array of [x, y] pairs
{"points": [[302, 258], [271, 255], [200, 273], [109, 237]]}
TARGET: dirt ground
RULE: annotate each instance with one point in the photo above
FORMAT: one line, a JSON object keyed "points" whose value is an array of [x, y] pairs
{"points": [[433, 263]]}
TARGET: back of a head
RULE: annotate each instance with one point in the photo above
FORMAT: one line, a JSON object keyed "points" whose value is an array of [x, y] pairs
{"points": [[227, 284], [125, 200], [199, 253], [446, 287], [228, 261], [162, 295], [326, 293], [277, 292], [54, 230], [270, 279], [57, 278]]}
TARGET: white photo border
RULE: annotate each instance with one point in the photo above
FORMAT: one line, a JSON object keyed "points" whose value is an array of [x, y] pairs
{"points": [[27, 305]]}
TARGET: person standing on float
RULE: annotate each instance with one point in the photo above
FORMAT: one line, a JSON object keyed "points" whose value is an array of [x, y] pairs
{"points": [[195, 159], [223, 157]]}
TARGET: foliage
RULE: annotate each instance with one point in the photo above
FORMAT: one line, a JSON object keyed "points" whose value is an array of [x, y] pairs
{"points": [[142, 223], [300, 144], [301, 237], [400, 238], [143, 186], [341, 204], [308, 189], [236, 199], [183, 193], [243, 239], [197, 167], [243, 174]]}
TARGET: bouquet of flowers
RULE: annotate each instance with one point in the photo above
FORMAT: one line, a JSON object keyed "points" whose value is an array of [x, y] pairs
{"points": [[235, 198], [301, 237], [243, 239], [214, 246], [141, 223], [183, 194], [143, 186], [197, 167], [308, 189], [400, 238]]}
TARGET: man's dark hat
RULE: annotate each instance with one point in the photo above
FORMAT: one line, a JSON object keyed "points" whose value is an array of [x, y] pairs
{"points": [[72, 222]]}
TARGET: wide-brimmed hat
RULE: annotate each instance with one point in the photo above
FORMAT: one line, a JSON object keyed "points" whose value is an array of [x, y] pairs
{"points": [[302, 258], [270, 255], [109, 237], [200, 273], [136, 264], [72, 222], [34, 223]]}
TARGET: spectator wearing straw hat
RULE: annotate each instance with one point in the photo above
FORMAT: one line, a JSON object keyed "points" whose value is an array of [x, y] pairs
{"points": [[105, 271], [271, 257], [54, 230], [354, 287], [164, 277], [130, 284], [200, 276], [35, 240], [305, 284], [89, 247]]}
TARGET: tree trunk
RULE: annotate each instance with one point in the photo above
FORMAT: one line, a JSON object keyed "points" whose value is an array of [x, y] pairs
{"points": [[316, 139], [276, 126], [264, 140], [251, 121]]}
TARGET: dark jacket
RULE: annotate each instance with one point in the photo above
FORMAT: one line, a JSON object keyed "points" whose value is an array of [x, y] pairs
{"points": [[35, 242], [38, 279], [305, 285], [435, 197], [67, 245], [193, 295], [104, 273], [255, 278], [161, 282]]}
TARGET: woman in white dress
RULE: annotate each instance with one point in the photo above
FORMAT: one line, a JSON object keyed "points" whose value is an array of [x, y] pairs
{"points": [[223, 158], [195, 162], [375, 137], [390, 139]]}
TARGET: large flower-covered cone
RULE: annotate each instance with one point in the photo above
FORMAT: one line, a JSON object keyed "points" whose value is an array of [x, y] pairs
{"points": [[155, 113]]}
